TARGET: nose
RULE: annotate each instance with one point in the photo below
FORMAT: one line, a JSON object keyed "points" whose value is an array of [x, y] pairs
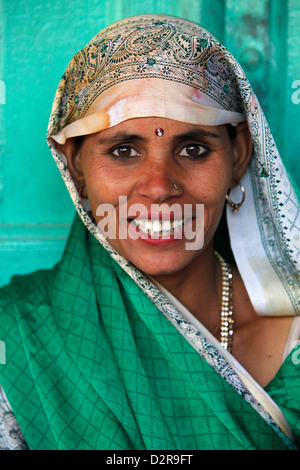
{"points": [[159, 182]]}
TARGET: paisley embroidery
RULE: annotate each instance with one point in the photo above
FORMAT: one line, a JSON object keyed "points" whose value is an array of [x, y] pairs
{"points": [[175, 48]]}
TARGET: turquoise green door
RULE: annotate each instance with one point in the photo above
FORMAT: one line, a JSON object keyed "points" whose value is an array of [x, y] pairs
{"points": [[38, 39]]}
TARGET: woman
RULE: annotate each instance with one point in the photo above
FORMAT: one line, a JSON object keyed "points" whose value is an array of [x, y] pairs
{"points": [[144, 336]]}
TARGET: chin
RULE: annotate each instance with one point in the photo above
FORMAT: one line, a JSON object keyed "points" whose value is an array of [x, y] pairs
{"points": [[157, 260], [156, 266]]}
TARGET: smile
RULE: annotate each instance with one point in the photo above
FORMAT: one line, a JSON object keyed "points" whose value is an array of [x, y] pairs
{"points": [[159, 228]]}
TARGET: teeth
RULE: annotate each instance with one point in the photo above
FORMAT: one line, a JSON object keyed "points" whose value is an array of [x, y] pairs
{"points": [[158, 228], [166, 225]]}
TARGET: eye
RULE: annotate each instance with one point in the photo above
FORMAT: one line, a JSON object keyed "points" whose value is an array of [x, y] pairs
{"points": [[124, 152], [193, 151]]}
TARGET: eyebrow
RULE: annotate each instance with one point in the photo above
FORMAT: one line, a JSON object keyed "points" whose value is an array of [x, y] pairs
{"points": [[124, 137], [198, 134], [119, 137]]}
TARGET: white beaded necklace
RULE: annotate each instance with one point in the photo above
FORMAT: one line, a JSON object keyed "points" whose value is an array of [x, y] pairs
{"points": [[227, 321]]}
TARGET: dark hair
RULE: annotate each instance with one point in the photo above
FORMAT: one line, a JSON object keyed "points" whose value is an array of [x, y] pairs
{"points": [[221, 237], [79, 141], [231, 131]]}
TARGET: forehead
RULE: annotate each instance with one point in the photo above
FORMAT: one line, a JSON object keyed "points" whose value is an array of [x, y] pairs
{"points": [[147, 126]]}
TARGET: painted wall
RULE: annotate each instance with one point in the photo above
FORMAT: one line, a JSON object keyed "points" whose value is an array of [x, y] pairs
{"points": [[37, 40]]}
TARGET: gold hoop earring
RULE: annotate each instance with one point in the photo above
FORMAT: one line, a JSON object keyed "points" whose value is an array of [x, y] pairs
{"points": [[235, 206]]}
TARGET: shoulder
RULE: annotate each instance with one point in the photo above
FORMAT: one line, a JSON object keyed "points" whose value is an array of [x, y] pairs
{"points": [[20, 296], [20, 304], [24, 286]]}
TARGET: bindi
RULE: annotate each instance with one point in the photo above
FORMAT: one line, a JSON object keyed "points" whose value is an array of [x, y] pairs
{"points": [[159, 132]]}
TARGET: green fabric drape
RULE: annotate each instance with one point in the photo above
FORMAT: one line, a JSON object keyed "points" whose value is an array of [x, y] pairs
{"points": [[93, 364]]}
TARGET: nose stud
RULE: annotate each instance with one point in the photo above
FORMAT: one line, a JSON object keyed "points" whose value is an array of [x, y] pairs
{"points": [[176, 186]]}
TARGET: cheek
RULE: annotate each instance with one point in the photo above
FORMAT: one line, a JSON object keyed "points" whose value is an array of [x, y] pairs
{"points": [[211, 191], [213, 185], [100, 181], [104, 185], [99, 192]]}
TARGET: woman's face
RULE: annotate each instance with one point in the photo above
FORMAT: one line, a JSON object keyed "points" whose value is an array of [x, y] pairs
{"points": [[132, 161]]}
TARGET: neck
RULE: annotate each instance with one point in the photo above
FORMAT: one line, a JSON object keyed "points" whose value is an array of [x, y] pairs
{"points": [[198, 287]]}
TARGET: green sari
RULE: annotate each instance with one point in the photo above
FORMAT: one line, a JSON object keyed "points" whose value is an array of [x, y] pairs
{"points": [[93, 364]]}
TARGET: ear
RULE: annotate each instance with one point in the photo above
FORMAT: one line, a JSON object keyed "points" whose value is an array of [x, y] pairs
{"points": [[72, 151], [242, 147]]}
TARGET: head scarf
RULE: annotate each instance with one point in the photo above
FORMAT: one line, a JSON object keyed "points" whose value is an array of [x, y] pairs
{"points": [[156, 65]]}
